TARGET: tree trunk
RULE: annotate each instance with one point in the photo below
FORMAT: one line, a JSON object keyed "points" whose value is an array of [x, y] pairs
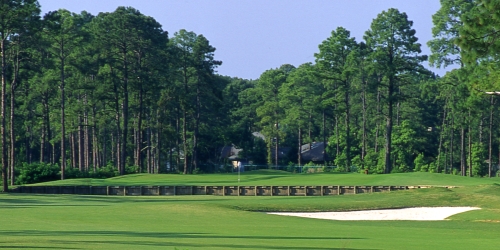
{"points": [[310, 125], [196, 126], [469, 133], [123, 150], [42, 140], [95, 145], [104, 158], [388, 127], [116, 143], [490, 141], [73, 149], [48, 152], [63, 131], [184, 141], [441, 141], [139, 161], [177, 140], [363, 143], [27, 145], [377, 125], [13, 87], [299, 154], [113, 145], [80, 144], [481, 127], [86, 135], [452, 139], [337, 146], [53, 157], [158, 143], [276, 155], [462, 151], [324, 137], [348, 131], [148, 150], [2, 116]]}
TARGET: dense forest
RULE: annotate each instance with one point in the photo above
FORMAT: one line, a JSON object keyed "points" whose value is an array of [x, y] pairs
{"points": [[115, 92]]}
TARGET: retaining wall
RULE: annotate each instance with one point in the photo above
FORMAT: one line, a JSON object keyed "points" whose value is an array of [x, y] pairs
{"points": [[210, 190]]}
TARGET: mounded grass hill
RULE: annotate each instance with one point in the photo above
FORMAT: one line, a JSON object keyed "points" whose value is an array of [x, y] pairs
{"points": [[276, 178]]}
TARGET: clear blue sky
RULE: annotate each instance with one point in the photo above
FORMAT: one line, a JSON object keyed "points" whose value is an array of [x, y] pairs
{"points": [[252, 36]]}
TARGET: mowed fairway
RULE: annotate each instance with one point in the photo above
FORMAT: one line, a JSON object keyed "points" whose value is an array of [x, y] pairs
{"points": [[217, 222]]}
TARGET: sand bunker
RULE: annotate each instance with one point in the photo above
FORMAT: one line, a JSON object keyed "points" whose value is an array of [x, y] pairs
{"points": [[417, 213]]}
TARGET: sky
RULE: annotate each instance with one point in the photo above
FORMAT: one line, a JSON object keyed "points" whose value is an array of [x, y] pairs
{"points": [[252, 36]]}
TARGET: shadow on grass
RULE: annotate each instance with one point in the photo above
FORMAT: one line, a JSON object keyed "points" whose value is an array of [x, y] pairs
{"points": [[140, 244], [38, 206], [21, 201], [33, 247], [162, 235], [64, 199]]}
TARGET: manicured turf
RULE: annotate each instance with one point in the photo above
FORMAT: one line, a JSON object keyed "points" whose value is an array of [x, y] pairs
{"points": [[271, 177], [217, 222]]}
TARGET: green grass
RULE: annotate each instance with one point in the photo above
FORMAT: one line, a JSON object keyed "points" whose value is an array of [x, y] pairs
{"points": [[222, 222], [271, 177]]}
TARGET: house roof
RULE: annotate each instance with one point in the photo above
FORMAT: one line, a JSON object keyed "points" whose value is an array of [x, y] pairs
{"points": [[260, 135], [313, 151], [282, 152], [230, 152]]}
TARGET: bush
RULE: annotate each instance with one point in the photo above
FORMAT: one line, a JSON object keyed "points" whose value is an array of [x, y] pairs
{"points": [[479, 154], [38, 172], [381, 162], [292, 168], [419, 163], [341, 161], [107, 171], [42, 172], [72, 173], [432, 167], [305, 169], [371, 161], [327, 169], [131, 169]]}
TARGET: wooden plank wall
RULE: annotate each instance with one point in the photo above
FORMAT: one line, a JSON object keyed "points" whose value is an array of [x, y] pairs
{"points": [[210, 190]]}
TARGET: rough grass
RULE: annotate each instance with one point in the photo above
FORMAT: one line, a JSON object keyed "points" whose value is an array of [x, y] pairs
{"points": [[222, 222]]}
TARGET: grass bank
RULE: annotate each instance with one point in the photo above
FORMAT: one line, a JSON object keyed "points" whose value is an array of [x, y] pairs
{"points": [[272, 177]]}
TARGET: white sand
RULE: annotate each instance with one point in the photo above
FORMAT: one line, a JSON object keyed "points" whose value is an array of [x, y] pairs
{"points": [[417, 213]]}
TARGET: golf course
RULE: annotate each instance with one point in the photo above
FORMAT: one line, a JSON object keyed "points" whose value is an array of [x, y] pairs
{"points": [[231, 222]]}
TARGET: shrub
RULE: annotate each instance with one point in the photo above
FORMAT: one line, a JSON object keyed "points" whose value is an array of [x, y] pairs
{"points": [[327, 169], [381, 162], [305, 169], [371, 161], [419, 162], [432, 167], [37, 172], [131, 169], [292, 168], [341, 161], [479, 154], [107, 171]]}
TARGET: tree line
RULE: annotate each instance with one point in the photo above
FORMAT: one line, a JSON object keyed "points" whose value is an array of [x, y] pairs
{"points": [[115, 91]]}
